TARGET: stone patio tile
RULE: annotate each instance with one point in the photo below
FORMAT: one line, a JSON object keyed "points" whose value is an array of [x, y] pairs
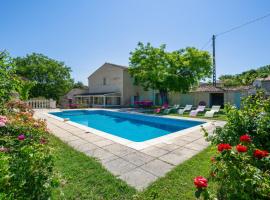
{"points": [[186, 152], [154, 151], [119, 166], [138, 178], [202, 141], [93, 138], [179, 141], [77, 143], [101, 155], [173, 158], [87, 147], [157, 167], [102, 143], [168, 147], [195, 135], [195, 146], [186, 138], [118, 149], [138, 158], [69, 138]]}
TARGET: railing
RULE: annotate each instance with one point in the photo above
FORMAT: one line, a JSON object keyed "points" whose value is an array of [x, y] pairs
{"points": [[41, 103]]}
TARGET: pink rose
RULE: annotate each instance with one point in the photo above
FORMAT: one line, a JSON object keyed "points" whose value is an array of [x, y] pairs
{"points": [[21, 137], [2, 124]]}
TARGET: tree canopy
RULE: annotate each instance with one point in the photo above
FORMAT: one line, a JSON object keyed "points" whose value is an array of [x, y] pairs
{"points": [[165, 71], [52, 78], [245, 78], [79, 85], [8, 80]]}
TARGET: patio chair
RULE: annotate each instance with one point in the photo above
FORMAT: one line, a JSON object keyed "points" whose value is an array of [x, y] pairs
{"points": [[213, 110], [194, 113], [186, 108], [168, 110]]}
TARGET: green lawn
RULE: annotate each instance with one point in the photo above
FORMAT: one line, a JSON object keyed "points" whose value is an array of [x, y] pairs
{"points": [[218, 116], [84, 178]]}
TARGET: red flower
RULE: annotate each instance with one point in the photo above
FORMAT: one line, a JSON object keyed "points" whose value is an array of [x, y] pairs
{"points": [[245, 138], [200, 182], [21, 137], [241, 148], [222, 147], [260, 153]]}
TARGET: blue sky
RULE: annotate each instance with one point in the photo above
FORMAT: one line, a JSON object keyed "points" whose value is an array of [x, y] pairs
{"points": [[86, 33]]}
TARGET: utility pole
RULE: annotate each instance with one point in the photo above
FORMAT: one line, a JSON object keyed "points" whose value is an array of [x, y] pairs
{"points": [[214, 60]]}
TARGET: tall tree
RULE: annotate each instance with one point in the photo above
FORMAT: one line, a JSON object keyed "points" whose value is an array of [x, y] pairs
{"points": [[52, 77], [165, 71]]}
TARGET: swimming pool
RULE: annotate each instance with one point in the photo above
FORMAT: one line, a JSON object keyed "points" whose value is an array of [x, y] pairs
{"points": [[133, 127]]}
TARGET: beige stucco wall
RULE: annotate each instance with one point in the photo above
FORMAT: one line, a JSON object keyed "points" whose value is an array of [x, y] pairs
{"points": [[129, 89], [195, 98], [201, 96], [114, 79]]}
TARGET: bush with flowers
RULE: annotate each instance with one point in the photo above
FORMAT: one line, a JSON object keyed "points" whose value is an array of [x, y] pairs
{"points": [[241, 167], [26, 161]]}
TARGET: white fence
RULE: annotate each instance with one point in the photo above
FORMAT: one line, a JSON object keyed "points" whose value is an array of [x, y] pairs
{"points": [[41, 103]]}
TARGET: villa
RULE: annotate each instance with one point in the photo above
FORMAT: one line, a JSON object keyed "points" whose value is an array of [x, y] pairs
{"points": [[111, 85]]}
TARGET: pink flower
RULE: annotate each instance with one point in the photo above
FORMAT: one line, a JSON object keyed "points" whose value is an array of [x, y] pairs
{"points": [[3, 119], [2, 124], [200, 182], [21, 137], [3, 149]]}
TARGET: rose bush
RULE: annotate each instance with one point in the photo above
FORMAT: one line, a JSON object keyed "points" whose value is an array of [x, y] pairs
{"points": [[241, 167], [26, 161]]}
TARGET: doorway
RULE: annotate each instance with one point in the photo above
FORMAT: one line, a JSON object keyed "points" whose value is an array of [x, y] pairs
{"points": [[217, 99]]}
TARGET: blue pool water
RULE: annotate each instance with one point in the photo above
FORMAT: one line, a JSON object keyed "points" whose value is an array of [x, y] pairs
{"points": [[134, 127]]}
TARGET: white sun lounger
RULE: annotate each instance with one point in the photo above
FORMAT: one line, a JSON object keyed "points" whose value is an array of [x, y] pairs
{"points": [[213, 110], [194, 113], [186, 108], [168, 110]]}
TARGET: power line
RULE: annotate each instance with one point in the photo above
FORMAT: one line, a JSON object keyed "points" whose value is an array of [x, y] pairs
{"points": [[242, 25], [207, 43]]}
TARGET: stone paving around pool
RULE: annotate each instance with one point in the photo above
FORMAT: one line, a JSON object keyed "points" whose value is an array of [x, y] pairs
{"points": [[138, 168]]}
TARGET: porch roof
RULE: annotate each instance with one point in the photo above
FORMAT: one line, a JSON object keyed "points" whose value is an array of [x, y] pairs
{"points": [[106, 94]]}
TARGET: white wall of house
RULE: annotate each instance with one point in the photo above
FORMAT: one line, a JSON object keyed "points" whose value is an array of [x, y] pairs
{"points": [[107, 78]]}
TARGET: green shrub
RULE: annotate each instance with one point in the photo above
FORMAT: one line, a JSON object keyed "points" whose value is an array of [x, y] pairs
{"points": [[241, 167], [26, 161], [253, 118]]}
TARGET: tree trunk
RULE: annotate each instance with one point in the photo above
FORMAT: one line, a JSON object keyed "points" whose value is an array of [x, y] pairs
{"points": [[164, 96]]}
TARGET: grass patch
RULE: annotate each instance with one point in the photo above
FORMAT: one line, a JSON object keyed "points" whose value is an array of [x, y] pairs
{"points": [[218, 116], [178, 184], [85, 178]]}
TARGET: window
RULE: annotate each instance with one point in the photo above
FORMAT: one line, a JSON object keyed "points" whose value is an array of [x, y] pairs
{"points": [[104, 81]]}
